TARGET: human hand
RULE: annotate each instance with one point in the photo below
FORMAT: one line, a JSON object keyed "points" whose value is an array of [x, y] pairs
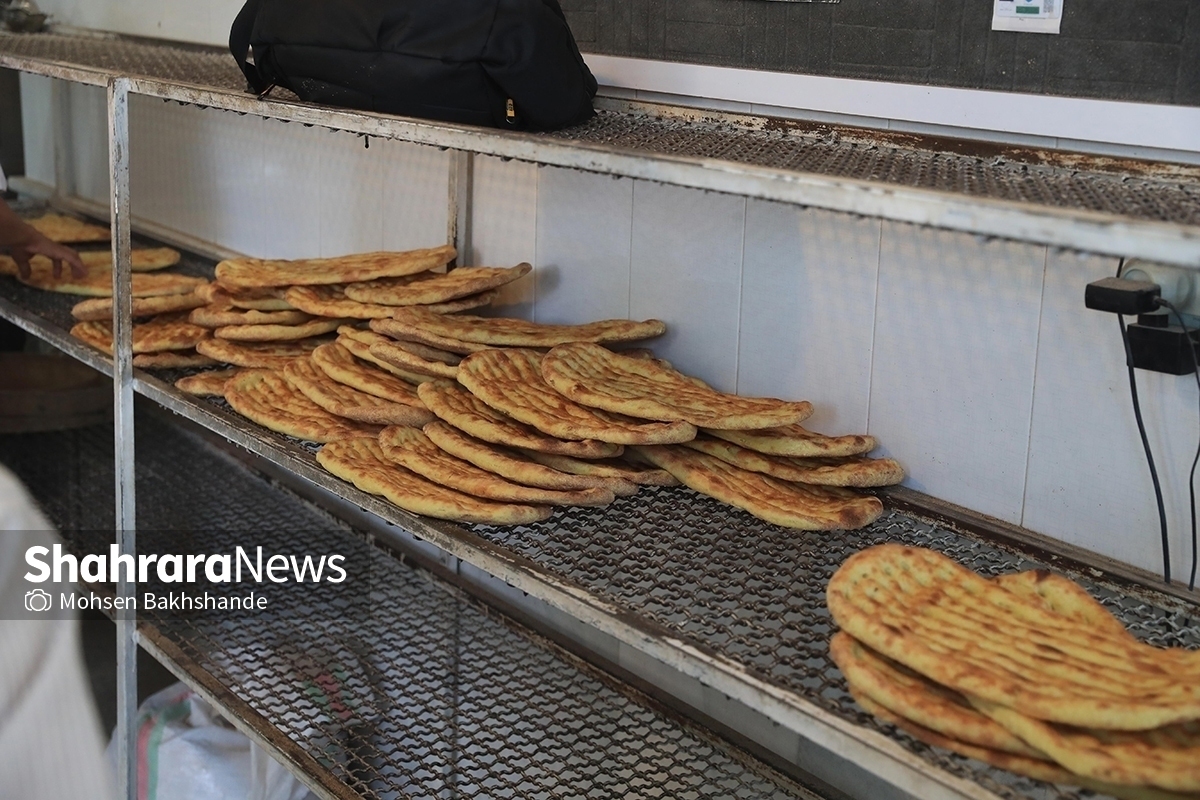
{"points": [[34, 243]]}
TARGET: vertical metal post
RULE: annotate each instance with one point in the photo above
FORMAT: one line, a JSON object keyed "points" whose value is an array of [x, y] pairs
{"points": [[458, 215], [64, 153], [122, 277]]}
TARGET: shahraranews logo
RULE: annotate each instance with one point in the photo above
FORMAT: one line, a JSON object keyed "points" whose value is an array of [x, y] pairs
{"points": [[225, 568]]}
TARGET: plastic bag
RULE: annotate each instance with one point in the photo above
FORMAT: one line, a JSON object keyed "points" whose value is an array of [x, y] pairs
{"points": [[186, 751]]}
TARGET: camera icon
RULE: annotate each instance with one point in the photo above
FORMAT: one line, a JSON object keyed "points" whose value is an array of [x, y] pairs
{"points": [[37, 600]]}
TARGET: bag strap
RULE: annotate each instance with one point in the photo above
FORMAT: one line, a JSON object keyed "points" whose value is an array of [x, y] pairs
{"points": [[239, 44]]}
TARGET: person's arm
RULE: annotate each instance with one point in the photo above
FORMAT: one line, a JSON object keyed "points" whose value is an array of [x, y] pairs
{"points": [[24, 242]]}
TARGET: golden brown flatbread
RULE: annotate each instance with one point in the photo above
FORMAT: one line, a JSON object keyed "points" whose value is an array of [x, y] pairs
{"points": [[98, 309], [463, 410], [359, 344], [481, 300], [407, 333], [265, 355], [361, 462], [855, 471], [172, 359], [344, 401], [338, 363], [432, 288], [263, 299], [142, 260], [412, 449], [797, 442], [510, 381], [68, 230], [960, 630], [790, 505], [596, 377], [165, 332], [331, 301], [220, 316], [98, 283], [265, 397], [206, 384], [409, 323], [512, 464], [278, 333], [605, 468], [248, 273], [398, 356]]}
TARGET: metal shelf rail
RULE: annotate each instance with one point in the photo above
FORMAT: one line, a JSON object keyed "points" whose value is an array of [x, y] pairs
{"points": [[426, 695], [709, 590], [1015, 194]]}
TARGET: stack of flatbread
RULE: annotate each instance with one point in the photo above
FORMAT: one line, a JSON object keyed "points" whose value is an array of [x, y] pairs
{"points": [[1025, 672]]}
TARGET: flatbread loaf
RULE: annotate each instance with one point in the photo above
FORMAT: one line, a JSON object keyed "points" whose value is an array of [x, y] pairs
{"points": [[406, 332], [165, 332], [219, 316], [855, 471], [359, 344], [510, 381], [331, 301], [98, 283], [414, 450], [142, 260], [512, 464], [797, 442], [790, 505], [97, 309], [605, 468], [345, 401], [1022, 765], [265, 397], [399, 356], [432, 288], [266, 355], [463, 410], [599, 378], [264, 299], [481, 300], [172, 359], [407, 323], [278, 333], [206, 384], [943, 621], [68, 230], [338, 363], [248, 273], [361, 462]]}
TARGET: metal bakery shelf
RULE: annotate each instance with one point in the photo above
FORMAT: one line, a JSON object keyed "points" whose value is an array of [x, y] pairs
{"points": [[1097, 205], [709, 591], [426, 695]]}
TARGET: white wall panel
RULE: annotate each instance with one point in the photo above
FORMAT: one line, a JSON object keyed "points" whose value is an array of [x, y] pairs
{"points": [[37, 127], [415, 186], [686, 266], [584, 227], [290, 221], [89, 140], [952, 376], [203, 21], [351, 194], [504, 231], [808, 311], [1088, 483]]}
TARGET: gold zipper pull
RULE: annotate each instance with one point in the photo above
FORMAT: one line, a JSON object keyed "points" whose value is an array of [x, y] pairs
{"points": [[510, 113]]}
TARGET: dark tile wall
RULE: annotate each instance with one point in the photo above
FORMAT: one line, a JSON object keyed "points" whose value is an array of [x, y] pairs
{"points": [[1146, 50]]}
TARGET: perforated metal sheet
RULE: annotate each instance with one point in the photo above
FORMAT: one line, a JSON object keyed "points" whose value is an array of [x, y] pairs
{"points": [[776, 144], [430, 696]]}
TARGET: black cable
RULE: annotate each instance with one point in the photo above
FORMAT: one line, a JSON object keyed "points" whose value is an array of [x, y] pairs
{"points": [[1196, 460], [1137, 414]]}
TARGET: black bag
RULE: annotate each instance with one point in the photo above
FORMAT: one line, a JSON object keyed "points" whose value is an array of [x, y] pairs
{"points": [[505, 63]]}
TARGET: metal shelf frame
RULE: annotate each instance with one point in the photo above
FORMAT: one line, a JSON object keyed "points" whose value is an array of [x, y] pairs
{"points": [[879, 753]]}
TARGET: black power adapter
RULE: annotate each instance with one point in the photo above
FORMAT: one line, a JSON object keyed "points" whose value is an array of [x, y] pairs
{"points": [[1154, 344], [1122, 296]]}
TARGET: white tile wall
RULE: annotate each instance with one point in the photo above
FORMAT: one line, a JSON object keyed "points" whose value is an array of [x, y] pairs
{"points": [[583, 244], [89, 137], [974, 362], [808, 311], [686, 269], [956, 331], [37, 130]]}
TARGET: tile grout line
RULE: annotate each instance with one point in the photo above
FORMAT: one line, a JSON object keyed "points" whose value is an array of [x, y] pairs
{"points": [[737, 337], [1037, 346], [874, 322]]}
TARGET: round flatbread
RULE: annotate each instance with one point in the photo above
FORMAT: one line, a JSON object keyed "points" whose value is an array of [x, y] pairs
{"points": [[265, 397], [206, 384], [266, 355], [278, 333], [98, 309], [425, 289]]}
